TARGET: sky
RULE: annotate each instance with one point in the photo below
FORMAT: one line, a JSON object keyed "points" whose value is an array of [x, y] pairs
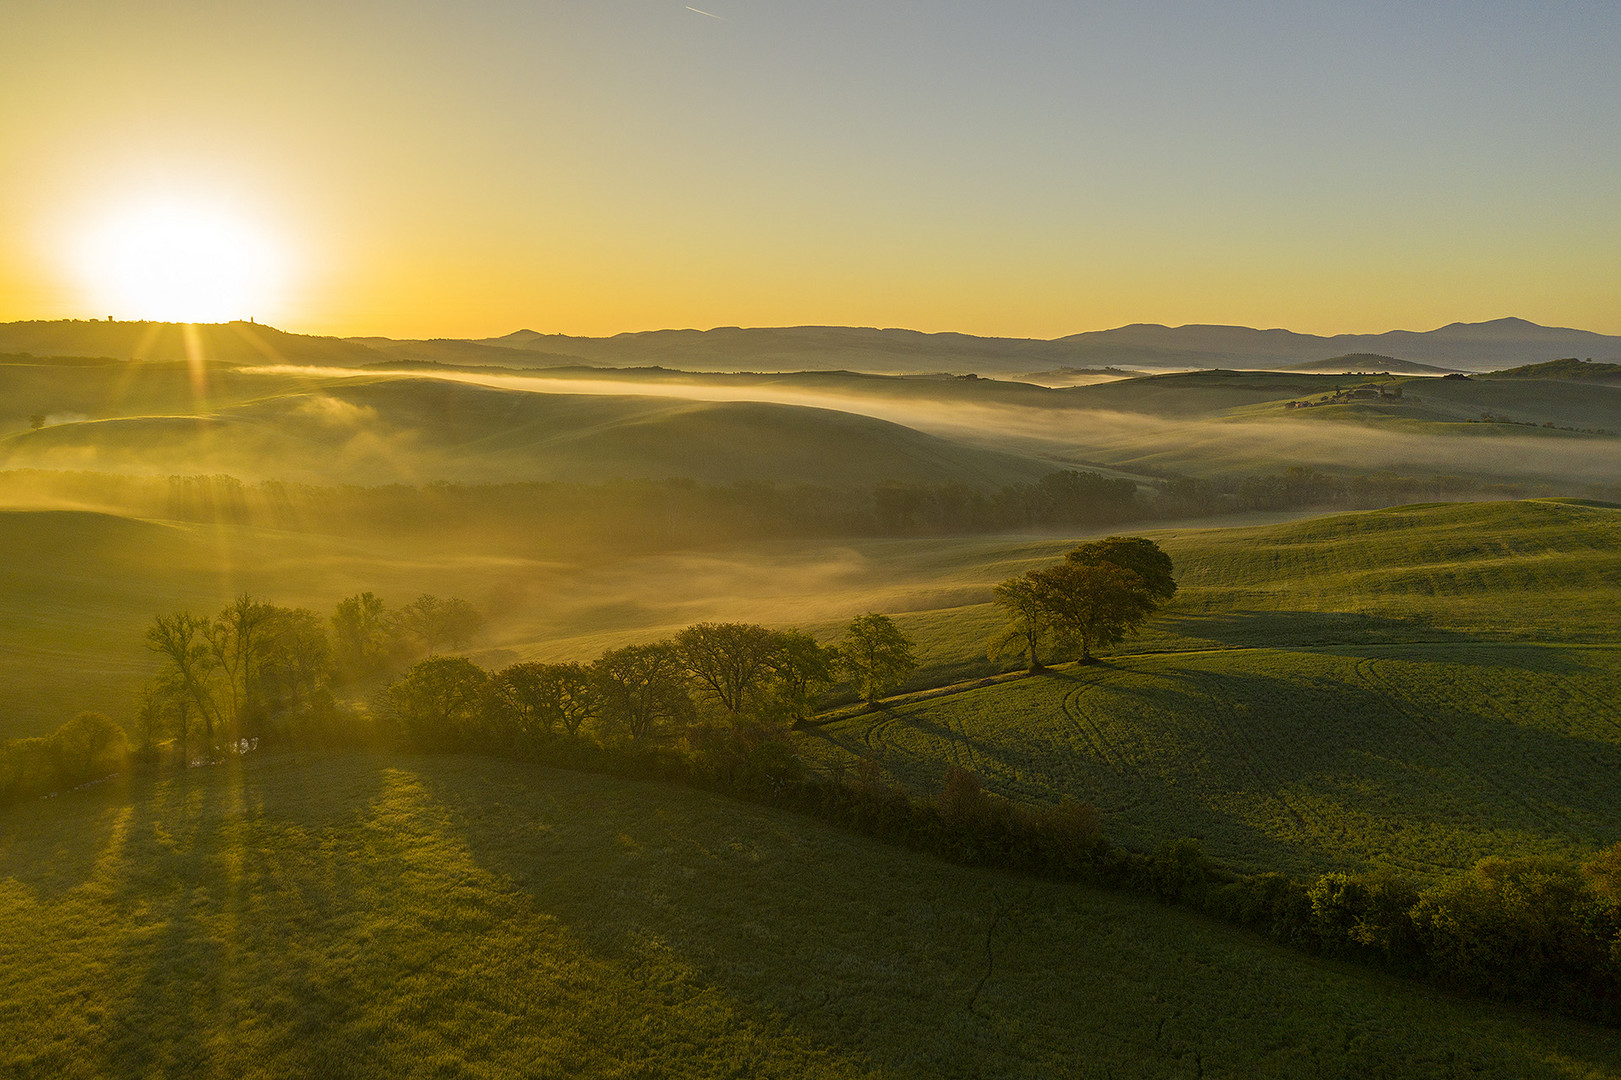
{"points": [[427, 168]]}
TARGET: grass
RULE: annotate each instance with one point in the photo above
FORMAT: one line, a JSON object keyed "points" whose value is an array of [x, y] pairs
{"points": [[1422, 758], [1414, 688], [408, 916]]}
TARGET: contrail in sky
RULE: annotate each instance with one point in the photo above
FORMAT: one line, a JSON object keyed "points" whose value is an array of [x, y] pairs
{"points": [[700, 11]]}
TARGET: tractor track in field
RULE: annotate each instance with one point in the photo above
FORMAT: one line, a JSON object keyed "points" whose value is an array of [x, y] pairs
{"points": [[1601, 708], [959, 734], [1092, 732], [872, 736], [1253, 759], [1403, 703]]}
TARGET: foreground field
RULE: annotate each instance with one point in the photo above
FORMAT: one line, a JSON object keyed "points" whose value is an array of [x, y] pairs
{"points": [[402, 916]]}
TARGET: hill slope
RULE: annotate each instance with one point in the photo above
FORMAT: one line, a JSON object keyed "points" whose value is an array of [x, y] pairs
{"points": [[1566, 369], [306, 426], [416, 916], [1415, 688]]}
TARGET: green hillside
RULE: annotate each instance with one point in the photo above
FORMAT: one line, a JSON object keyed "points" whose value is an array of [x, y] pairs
{"points": [[1414, 688], [364, 916]]}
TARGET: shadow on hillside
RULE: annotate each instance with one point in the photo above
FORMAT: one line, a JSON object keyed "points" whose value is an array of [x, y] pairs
{"points": [[223, 872], [1358, 636], [1285, 629]]}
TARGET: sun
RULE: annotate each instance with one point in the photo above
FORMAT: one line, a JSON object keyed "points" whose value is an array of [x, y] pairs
{"points": [[175, 260]]}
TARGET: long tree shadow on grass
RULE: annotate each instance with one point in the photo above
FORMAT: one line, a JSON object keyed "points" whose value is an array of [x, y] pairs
{"points": [[791, 927], [1315, 629]]}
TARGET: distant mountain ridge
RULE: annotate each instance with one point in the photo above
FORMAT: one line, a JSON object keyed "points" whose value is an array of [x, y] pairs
{"points": [[1477, 347], [1458, 346]]}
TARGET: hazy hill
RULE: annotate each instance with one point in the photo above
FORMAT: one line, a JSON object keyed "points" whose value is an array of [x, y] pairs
{"points": [[1467, 346], [1569, 369], [150, 418], [232, 342], [1372, 362]]}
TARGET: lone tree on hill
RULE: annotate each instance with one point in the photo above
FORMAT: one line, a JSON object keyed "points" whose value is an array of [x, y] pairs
{"points": [[876, 654]]}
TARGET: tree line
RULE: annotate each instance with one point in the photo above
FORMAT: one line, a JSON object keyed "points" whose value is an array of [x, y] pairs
{"points": [[726, 673], [659, 514], [256, 669]]}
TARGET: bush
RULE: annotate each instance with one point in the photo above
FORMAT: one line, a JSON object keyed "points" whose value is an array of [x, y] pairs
{"points": [[744, 757]]}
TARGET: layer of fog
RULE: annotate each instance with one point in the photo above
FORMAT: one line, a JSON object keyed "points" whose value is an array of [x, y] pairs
{"points": [[1132, 442]]}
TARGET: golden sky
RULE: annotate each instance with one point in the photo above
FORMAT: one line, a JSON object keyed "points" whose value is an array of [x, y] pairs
{"points": [[418, 168]]}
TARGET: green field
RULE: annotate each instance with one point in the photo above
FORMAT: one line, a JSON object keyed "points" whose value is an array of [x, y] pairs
{"points": [[1423, 758], [1414, 688], [416, 916]]}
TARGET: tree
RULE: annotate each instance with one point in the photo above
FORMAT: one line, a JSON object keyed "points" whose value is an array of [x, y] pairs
{"points": [[1093, 605], [181, 639], [1138, 554], [295, 659], [533, 699], [87, 747], [236, 638], [435, 622], [360, 636], [1029, 620], [876, 654], [438, 701], [802, 668], [731, 659], [640, 685]]}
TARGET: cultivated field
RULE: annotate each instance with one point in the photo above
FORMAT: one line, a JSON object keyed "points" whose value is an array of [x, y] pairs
{"points": [[1414, 688]]}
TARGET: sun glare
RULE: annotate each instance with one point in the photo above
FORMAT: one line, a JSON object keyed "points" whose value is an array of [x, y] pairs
{"points": [[174, 261]]}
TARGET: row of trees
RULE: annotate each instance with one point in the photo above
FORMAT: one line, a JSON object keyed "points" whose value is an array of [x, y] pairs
{"points": [[708, 671], [1098, 594], [255, 663]]}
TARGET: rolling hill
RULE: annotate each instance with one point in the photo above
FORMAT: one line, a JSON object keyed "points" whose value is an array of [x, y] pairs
{"points": [[1567, 369], [301, 425], [1414, 688]]}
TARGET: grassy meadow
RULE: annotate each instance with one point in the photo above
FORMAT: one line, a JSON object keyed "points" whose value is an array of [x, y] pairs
{"points": [[372, 915]]}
